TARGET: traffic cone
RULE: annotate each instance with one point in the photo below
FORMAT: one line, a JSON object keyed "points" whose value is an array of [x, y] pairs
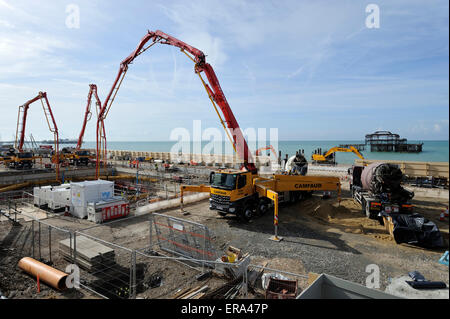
{"points": [[442, 217], [446, 212]]}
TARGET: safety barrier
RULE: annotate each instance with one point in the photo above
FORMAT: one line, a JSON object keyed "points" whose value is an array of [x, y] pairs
{"points": [[154, 262]]}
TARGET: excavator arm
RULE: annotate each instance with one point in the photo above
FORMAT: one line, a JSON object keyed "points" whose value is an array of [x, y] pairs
{"points": [[213, 89], [321, 158]]}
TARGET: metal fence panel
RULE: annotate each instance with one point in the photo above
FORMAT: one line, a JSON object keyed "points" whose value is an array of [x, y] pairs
{"points": [[181, 237], [105, 268]]}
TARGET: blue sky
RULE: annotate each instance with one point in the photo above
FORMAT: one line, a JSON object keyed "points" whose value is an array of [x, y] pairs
{"points": [[312, 69]]}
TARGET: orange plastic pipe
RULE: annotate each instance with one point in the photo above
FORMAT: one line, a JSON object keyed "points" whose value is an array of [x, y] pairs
{"points": [[49, 275]]}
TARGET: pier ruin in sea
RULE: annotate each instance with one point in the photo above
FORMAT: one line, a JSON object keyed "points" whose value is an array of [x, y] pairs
{"points": [[385, 141]]}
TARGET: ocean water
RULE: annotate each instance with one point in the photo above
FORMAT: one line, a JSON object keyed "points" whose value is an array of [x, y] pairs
{"points": [[433, 151]]}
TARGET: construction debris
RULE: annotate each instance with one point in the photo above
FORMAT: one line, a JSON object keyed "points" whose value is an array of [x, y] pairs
{"points": [[194, 293], [281, 289]]}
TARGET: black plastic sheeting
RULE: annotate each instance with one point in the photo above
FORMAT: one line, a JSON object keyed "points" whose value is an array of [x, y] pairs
{"points": [[414, 229], [419, 282]]}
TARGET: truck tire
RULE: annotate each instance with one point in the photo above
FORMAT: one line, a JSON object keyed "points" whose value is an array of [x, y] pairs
{"points": [[247, 213], [263, 207], [370, 214], [292, 197]]}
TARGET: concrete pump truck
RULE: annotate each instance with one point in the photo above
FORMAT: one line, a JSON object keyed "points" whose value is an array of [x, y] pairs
{"points": [[241, 192]]}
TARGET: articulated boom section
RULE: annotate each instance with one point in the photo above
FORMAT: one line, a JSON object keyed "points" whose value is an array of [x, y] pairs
{"points": [[214, 91], [21, 125], [88, 113], [286, 183]]}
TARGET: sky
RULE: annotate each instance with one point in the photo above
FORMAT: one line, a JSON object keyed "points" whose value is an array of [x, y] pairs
{"points": [[312, 69]]}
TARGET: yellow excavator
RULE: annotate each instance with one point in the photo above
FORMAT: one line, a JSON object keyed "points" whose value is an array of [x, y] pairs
{"points": [[329, 156]]}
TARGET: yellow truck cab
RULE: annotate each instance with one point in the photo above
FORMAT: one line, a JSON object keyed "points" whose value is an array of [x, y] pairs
{"points": [[232, 192]]}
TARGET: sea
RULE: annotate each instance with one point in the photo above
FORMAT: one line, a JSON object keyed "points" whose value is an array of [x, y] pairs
{"points": [[433, 151]]}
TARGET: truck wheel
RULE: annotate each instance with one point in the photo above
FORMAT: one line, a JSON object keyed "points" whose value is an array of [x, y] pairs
{"points": [[292, 197], [369, 214], [262, 208], [246, 214]]}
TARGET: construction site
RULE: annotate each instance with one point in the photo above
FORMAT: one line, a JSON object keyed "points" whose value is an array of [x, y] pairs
{"points": [[79, 223]]}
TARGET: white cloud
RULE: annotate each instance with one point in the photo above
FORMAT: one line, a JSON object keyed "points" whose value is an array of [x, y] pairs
{"points": [[437, 127], [6, 24], [6, 4]]}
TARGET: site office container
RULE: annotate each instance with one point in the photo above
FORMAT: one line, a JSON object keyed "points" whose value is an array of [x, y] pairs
{"points": [[59, 198], [37, 196], [108, 210], [89, 192], [42, 195]]}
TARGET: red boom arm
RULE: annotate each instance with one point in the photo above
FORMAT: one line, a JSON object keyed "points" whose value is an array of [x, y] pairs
{"points": [[48, 113], [88, 113], [214, 90]]}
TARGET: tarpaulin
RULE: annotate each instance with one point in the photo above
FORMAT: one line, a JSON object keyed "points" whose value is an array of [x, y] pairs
{"points": [[415, 229]]}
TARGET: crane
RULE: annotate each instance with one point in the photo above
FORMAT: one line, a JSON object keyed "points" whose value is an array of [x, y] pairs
{"points": [[212, 88], [328, 157], [78, 156], [22, 159]]}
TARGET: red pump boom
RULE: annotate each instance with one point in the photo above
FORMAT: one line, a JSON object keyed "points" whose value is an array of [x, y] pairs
{"points": [[214, 91], [21, 125], [88, 113]]}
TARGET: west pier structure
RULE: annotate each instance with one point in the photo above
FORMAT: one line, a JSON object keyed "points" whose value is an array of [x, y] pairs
{"points": [[385, 141]]}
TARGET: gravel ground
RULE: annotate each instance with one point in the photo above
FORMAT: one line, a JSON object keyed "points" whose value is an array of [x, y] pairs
{"points": [[321, 247], [309, 245]]}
